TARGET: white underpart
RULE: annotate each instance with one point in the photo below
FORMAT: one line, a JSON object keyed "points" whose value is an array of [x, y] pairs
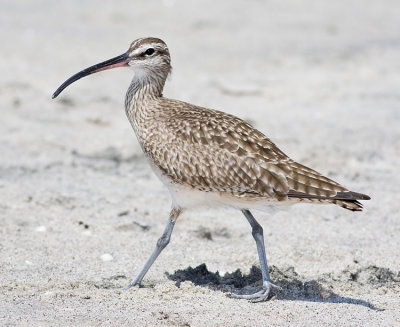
{"points": [[140, 73], [185, 197]]}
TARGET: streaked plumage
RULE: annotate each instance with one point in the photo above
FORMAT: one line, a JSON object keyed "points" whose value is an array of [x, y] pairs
{"points": [[207, 157], [212, 151]]}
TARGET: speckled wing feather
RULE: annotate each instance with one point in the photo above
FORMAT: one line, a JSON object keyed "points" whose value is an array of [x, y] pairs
{"points": [[213, 151]]}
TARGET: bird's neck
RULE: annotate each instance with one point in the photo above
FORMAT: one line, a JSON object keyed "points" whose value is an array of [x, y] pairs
{"points": [[143, 90]]}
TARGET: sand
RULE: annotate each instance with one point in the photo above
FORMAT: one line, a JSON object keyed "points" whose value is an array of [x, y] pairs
{"points": [[80, 209]]}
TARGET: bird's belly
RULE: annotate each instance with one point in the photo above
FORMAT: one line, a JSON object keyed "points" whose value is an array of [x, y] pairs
{"points": [[188, 197], [185, 196]]}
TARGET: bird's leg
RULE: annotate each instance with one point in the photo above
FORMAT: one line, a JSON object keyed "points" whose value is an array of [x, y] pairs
{"points": [[161, 244], [257, 232]]}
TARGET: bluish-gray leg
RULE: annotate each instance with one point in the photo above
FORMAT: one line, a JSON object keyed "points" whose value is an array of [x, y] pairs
{"points": [[161, 244], [258, 235]]}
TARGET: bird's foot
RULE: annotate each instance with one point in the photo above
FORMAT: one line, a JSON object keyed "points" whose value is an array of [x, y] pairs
{"points": [[133, 283], [259, 296], [128, 287]]}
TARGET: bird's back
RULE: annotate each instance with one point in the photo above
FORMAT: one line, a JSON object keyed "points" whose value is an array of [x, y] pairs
{"points": [[211, 151]]}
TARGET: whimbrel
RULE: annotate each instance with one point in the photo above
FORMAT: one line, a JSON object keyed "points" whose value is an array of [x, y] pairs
{"points": [[207, 157]]}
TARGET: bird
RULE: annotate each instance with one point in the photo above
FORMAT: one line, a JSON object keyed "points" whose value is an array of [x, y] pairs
{"points": [[210, 158]]}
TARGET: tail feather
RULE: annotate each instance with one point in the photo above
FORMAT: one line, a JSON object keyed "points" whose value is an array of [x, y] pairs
{"points": [[349, 195], [345, 199]]}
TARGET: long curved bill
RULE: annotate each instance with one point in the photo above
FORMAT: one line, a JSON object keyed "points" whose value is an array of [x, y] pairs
{"points": [[119, 61]]}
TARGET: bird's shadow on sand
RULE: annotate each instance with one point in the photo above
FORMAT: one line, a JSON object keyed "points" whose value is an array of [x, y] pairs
{"points": [[293, 287]]}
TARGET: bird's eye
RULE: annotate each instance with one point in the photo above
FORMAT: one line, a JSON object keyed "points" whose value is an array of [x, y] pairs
{"points": [[149, 51]]}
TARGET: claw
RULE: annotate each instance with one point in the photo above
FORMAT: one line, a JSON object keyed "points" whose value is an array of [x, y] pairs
{"points": [[134, 283], [259, 296]]}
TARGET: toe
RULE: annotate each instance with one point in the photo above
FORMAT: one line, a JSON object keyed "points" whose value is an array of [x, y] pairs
{"points": [[259, 296], [130, 286]]}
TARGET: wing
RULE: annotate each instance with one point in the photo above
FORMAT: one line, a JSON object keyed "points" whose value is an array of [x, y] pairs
{"points": [[213, 151]]}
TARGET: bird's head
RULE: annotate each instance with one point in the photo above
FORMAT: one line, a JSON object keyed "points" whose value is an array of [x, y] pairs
{"points": [[148, 57]]}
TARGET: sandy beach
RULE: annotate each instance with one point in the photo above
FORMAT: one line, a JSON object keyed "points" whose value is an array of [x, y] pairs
{"points": [[81, 210]]}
